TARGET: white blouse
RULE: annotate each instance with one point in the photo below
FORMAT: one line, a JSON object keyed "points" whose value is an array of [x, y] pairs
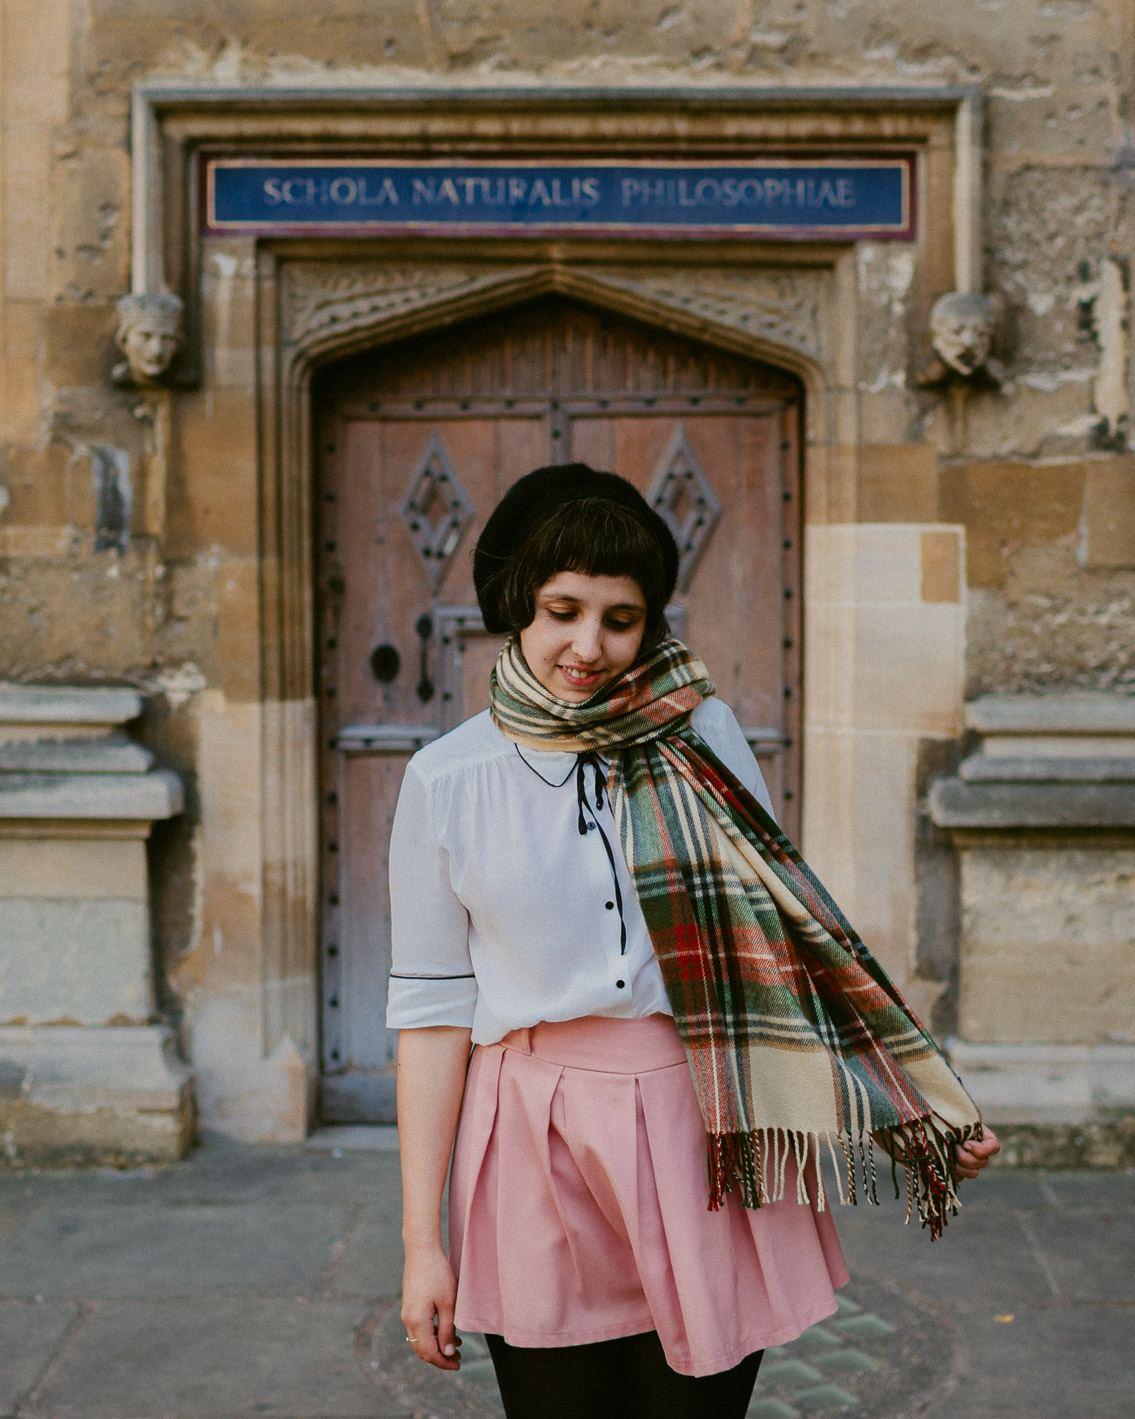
{"points": [[503, 914]]}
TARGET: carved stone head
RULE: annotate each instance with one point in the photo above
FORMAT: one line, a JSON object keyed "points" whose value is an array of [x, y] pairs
{"points": [[961, 327], [149, 334]]}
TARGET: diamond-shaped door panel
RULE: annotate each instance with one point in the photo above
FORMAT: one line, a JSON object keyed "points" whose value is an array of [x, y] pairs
{"points": [[436, 509], [682, 496]]}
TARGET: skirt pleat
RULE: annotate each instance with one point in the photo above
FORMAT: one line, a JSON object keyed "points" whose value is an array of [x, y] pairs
{"points": [[578, 1206]]}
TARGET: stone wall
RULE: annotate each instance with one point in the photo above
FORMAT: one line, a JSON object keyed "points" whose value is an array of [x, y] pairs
{"points": [[1034, 480]]}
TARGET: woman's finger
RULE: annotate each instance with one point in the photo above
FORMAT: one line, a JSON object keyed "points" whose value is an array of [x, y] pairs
{"points": [[447, 1341]]}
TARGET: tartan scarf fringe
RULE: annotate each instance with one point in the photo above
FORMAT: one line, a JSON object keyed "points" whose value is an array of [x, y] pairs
{"points": [[755, 1166], [784, 1013]]}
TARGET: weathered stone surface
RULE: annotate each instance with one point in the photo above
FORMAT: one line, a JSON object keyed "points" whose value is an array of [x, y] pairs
{"points": [[65, 707], [75, 756], [1075, 714], [74, 962], [1004, 506], [30, 1334], [897, 483], [1047, 1084], [975, 805], [1109, 514], [1047, 942], [119, 796], [999, 768]]}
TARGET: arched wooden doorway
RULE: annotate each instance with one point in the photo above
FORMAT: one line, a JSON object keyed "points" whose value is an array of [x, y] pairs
{"points": [[416, 443]]}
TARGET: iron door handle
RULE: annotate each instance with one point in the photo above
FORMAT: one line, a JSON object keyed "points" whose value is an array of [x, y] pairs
{"points": [[424, 627]]}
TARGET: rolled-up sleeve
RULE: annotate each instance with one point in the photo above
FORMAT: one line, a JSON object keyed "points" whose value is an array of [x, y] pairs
{"points": [[431, 976]]}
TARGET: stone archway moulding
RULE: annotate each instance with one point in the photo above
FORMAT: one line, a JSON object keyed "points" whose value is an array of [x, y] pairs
{"points": [[316, 311]]}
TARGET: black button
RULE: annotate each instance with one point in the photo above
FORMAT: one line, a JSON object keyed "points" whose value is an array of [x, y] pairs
{"points": [[620, 983], [610, 906]]}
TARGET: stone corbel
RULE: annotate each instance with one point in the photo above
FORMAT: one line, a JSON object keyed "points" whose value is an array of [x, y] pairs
{"points": [[150, 333], [962, 325]]}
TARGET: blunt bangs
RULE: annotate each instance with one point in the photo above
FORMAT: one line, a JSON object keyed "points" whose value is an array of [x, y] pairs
{"points": [[594, 537]]}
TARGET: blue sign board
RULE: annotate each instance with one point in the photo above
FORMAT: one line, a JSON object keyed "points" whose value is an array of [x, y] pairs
{"points": [[801, 199]]}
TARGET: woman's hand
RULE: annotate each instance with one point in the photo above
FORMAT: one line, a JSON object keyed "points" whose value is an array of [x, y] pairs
{"points": [[429, 1293], [971, 1157]]}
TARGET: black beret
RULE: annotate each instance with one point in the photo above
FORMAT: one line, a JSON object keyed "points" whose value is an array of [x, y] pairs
{"points": [[530, 500]]}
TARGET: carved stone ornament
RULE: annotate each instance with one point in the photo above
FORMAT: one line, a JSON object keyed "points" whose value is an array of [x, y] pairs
{"points": [[149, 334], [783, 308], [961, 328], [318, 298]]}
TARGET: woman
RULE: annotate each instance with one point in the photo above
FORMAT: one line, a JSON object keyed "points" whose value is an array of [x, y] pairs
{"points": [[587, 884]]}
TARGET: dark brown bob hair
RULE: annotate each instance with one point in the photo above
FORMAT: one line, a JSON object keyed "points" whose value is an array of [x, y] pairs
{"points": [[596, 537], [569, 517]]}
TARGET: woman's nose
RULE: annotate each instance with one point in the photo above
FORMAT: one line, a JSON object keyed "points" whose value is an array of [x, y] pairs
{"points": [[585, 642]]}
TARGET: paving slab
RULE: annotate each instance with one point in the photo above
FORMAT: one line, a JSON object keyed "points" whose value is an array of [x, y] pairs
{"points": [[30, 1334], [164, 1251], [1091, 1191], [1036, 1296], [1069, 1246], [1058, 1362], [372, 1260], [984, 1254], [205, 1357]]}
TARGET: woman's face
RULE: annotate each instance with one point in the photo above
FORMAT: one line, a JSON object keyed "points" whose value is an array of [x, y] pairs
{"points": [[587, 630]]}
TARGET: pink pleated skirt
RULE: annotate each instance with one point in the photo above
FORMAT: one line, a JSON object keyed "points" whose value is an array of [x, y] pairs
{"points": [[578, 1206]]}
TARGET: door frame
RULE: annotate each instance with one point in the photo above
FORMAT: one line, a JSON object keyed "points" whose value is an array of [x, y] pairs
{"points": [[353, 1092], [314, 310]]}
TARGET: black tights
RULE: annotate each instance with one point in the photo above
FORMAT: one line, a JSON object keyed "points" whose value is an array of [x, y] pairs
{"points": [[615, 1379]]}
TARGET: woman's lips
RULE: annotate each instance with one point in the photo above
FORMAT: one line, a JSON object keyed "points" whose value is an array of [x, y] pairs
{"points": [[578, 677]]}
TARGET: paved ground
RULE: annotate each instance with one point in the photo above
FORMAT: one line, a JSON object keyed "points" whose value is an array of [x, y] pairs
{"points": [[263, 1282]]}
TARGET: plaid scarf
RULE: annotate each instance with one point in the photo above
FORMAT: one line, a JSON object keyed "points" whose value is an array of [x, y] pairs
{"points": [[793, 1032]]}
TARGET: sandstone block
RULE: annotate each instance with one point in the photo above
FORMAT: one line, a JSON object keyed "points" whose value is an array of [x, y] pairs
{"points": [[37, 55], [1048, 945], [941, 566], [74, 962], [26, 209], [19, 413], [78, 343], [1108, 538], [38, 486], [897, 483], [217, 506], [73, 869], [239, 629], [116, 1096], [1004, 506]]}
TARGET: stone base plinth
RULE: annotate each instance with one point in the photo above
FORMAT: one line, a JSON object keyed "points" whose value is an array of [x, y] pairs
{"points": [[110, 1096], [1047, 1084]]}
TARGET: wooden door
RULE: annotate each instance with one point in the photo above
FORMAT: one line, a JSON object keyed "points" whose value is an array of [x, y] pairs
{"points": [[417, 444]]}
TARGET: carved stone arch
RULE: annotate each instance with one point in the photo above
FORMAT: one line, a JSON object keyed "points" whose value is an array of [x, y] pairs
{"points": [[774, 317]]}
